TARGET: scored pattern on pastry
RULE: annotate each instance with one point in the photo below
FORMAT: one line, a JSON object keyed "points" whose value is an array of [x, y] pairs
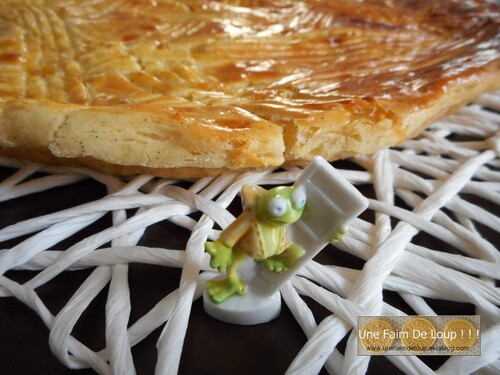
{"points": [[198, 54], [337, 78]]}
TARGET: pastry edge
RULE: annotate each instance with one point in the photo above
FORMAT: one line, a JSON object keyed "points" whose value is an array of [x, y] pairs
{"points": [[295, 144], [400, 121], [153, 141]]}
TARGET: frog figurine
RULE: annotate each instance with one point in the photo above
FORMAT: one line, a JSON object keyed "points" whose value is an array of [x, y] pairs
{"points": [[261, 232]]}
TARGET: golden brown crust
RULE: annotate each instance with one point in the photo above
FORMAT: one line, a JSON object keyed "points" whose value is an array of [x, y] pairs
{"points": [[151, 135], [188, 88]]}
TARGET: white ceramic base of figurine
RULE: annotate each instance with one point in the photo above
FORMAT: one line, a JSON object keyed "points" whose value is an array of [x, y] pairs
{"points": [[250, 309]]}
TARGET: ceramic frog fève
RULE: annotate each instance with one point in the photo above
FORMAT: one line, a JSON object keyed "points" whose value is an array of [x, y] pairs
{"points": [[260, 232]]}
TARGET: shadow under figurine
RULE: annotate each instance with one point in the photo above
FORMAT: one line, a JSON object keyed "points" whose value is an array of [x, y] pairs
{"points": [[260, 232]]}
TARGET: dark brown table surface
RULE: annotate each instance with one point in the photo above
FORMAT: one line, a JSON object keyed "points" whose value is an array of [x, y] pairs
{"points": [[211, 347]]}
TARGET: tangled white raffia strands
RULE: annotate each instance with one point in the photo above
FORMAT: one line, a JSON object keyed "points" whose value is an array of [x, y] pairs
{"points": [[433, 175]]}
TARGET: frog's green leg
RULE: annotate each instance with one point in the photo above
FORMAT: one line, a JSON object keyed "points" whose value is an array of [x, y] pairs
{"points": [[220, 290], [285, 260], [221, 256]]}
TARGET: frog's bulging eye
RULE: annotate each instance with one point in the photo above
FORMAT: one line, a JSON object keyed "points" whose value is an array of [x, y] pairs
{"points": [[277, 206], [299, 198]]}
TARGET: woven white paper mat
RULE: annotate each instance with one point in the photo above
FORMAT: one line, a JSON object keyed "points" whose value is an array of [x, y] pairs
{"points": [[438, 176]]}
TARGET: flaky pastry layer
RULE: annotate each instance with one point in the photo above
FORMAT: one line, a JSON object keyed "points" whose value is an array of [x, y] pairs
{"points": [[190, 88]]}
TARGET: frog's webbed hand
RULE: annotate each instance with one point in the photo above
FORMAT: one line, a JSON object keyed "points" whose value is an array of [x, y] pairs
{"points": [[221, 256], [339, 235], [284, 261]]}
